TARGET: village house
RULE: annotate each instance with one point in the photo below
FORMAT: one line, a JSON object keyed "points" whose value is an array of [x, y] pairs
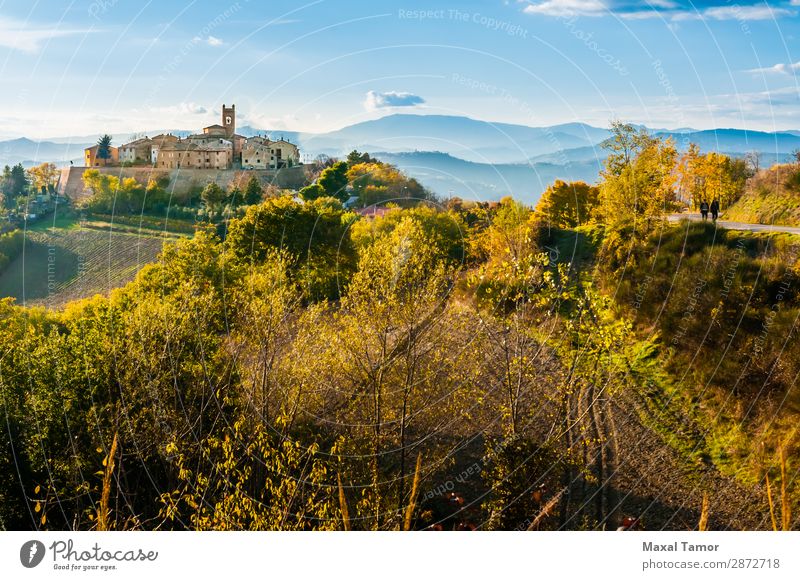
{"points": [[158, 142], [91, 159], [217, 147], [262, 153], [188, 154], [137, 151]]}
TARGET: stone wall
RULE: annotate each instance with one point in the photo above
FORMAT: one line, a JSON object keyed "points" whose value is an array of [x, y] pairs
{"points": [[182, 181]]}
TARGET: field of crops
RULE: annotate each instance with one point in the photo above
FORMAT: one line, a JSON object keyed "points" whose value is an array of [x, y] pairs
{"points": [[61, 265]]}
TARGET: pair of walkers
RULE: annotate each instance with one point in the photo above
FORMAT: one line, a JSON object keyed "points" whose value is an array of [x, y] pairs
{"points": [[713, 208]]}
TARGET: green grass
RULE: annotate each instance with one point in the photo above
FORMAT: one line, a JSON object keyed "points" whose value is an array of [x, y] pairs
{"points": [[60, 220], [71, 263], [144, 226], [771, 197]]}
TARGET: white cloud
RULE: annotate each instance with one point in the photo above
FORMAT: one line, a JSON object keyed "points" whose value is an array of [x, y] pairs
{"points": [[754, 12], [666, 9], [185, 108], [210, 40], [567, 8], [29, 37], [377, 100], [779, 68]]}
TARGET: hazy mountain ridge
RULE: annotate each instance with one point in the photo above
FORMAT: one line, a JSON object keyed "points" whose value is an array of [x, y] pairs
{"points": [[459, 155], [448, 175]]}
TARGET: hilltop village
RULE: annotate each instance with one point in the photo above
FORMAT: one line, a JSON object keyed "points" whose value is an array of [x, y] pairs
{"points": [[217, 147]]}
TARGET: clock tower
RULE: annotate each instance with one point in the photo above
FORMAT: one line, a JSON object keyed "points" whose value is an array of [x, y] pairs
{"points": [[229, 119]]}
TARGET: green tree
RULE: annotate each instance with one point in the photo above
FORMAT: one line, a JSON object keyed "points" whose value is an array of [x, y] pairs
{"points": [[104, 147], [355, 157], [253, 193], [235, 196], [213, 196], [334, 181], [14, 184], [312, 192], [315, 235]]}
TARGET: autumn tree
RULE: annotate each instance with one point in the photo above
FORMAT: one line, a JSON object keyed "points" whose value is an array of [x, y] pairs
{"points": [[377, 182], [624, 144], [710, 176], [638, 184], [689, 181], [44, 176], [566, 205]]}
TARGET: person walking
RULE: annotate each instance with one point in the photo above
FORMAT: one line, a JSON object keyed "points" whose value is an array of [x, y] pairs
{"points": [[704, 210], [715, 209]]}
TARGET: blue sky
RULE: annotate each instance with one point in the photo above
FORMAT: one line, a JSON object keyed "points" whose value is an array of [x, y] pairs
{"points": [[112, 65]]}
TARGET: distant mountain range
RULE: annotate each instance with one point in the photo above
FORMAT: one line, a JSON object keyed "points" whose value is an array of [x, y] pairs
{"points": [[448, 175], [457, 155], [30, 153]]}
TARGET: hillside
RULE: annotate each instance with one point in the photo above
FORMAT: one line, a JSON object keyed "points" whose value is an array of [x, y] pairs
{"points": [[31, 153], [447, 175], [68, 264], [736, 141], [771, 197], [470, 139]]}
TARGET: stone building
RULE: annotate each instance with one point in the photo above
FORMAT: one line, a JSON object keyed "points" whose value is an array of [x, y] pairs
{"points": [[262, 153], [158, 142], [190, 155], [137, 151]]}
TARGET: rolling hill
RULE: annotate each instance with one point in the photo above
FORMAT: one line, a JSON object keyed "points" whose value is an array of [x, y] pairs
{"points": [[469, 139], [61, 265], [447, 175], [737, 141]]}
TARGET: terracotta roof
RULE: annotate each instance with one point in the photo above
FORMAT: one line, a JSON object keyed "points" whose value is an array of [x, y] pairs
{"points": [[373, 211], [142, 141], [94, 148]]}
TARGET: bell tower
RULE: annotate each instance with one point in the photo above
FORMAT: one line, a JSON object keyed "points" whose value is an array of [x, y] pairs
{"points": [[229, 119]]}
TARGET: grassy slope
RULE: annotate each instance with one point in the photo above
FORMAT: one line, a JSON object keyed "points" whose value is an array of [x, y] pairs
{"points": [[658, 419], [723, 304], [771, 197], [76, 261]]}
